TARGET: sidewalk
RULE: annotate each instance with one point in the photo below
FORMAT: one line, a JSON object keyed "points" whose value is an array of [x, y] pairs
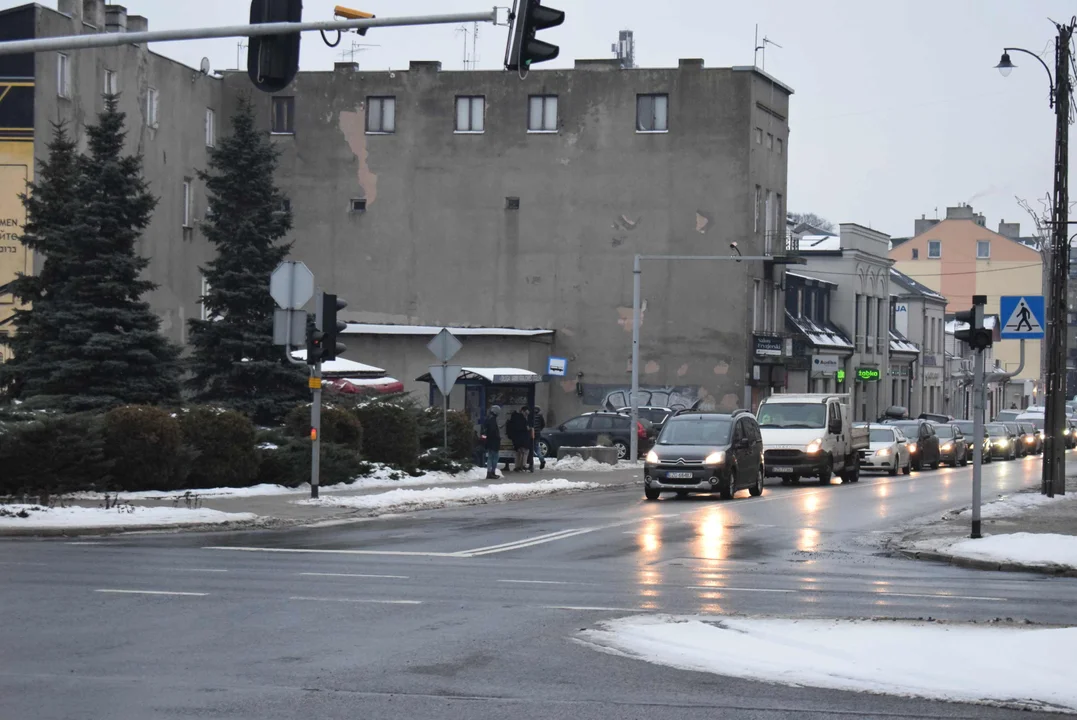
{"points": [[273, 506], [1022, 532]]}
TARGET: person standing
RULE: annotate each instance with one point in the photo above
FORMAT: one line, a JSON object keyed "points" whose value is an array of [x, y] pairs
{"points": [[491, 438], [538, 424], [520, 437]]}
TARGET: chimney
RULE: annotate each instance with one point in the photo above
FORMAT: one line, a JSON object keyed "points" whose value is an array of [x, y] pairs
{"points": [[1010, 230], [425, 65], [346, 67], [93, 13], [923, 225], [138, 23], [68, 7], [115, 19]]}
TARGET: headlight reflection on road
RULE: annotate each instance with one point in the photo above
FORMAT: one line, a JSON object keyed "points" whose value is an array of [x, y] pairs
{"points": [[807, 539], [810, 503], [650, 540], [649, 580], [711, 533]]}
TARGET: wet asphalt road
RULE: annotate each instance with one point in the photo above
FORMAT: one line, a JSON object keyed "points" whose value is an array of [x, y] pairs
{"points": [[472, 612]]}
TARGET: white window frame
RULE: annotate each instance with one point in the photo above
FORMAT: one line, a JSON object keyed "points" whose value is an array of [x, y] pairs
{"points": [[770, 141], [470, 127], [759, 136], [153, 107], [983, 243], [755, 304], [386, 108], [63, 75], [211, 127], [768, 215], [112, 85], [654, 97], [758, 207], [544, 103], [186, 203], [934, 244]]}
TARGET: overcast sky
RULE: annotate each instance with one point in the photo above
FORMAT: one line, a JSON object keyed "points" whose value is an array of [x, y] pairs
{"points": [[898, 110]]}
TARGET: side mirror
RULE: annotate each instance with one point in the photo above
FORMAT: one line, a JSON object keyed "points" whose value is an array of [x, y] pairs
{"points": [[561, 428]]}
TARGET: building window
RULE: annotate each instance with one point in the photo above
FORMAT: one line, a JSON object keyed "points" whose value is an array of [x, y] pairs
{"points": [[358, 205], [470, 114], [916, 253], [934, 249], [112, 86], [755, 304], [781, 145], [770, 141], [283, 121], [983, 249], [769, 216], [542, 113], [63, 75], [152, 107], [652, 113], [186, 203], [758, 206], [211, 128], [759, 136], [381, 115], [512, 203]]}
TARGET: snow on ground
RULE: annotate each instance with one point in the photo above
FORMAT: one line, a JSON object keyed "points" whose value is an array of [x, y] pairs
{"points": [[1038, 549], [1009, 505], [998, 665], [574, 463], [43, 518], [431, 498]]}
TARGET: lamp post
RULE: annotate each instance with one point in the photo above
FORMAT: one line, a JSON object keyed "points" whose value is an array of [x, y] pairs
{"points": [[1054, 469]]}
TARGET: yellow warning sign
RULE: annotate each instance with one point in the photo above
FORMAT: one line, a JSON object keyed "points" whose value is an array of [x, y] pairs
{"points": [[315, 384]]}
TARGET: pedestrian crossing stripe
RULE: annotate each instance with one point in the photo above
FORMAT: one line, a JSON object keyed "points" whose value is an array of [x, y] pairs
{"points": [[1023, 320]]}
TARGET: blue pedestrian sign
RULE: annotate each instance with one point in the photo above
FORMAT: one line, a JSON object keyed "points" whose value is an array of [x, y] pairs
{"points": [[1022, 317]]}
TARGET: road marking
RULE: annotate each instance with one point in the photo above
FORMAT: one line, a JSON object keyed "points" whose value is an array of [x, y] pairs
{"points": [[741, 589], [335, 552], [84, 542], [939, 597], [355, 575], [151, 592], [530, 542], [210, 570], [364, 601], [537, 582], [591, 607]]}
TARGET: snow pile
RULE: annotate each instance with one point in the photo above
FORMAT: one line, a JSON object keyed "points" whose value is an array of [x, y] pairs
{"points": [[1047, 550], [1019, 503], [997, 665], [43, 518], [574, 463], [438, 497]]}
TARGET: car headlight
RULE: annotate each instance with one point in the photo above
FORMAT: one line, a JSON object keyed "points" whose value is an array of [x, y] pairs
{"points": [[652, 457], [814, 446], [715, 458], [883, 452], [1002, 443], [947, 447], [912, 447], [1040, 433], [1030, 440]]}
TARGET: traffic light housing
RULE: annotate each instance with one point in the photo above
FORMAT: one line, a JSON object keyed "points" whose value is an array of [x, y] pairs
{"points": [[975, 335], [349, 14], [331, 327], [273, 60], [532, 16]]}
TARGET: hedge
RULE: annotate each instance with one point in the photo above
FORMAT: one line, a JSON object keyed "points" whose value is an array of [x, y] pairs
{"points": [[390, 433], [339, 426], [53, 455], [461, 432], [288, 463], [224, 445], [145, 446]]}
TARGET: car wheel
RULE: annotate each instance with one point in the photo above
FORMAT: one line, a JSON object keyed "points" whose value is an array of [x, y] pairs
{"points": [[729, 487], [964, 461], [651, 494], [622, 450], [907, 469], [757, 489], [544, 448], [852, 476], [894, 470], [827, 471]]}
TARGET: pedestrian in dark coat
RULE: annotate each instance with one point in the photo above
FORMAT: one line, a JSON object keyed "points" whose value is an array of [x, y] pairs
{"points": [[538, 424], [520, 435], [491, 438]]}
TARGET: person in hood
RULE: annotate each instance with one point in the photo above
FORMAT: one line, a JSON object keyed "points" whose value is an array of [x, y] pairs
{"points": [[491, 439]]}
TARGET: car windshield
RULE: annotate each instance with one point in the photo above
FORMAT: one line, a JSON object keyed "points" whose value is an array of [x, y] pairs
{"points": [[997, 430], [1035, 422], [792, 415], [882, 435], [1014, 428], [1008, 415], [966, 427], [909, 428], [712, 431], [944, 431]]}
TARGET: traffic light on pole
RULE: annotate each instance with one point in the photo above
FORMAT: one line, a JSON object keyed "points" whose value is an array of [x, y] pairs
{"points": [[975, 335], [532, 16], [331, 327], [273, 60]]}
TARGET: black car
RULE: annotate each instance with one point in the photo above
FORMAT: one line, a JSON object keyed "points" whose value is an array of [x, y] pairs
{"points": [[655, 416], [923, 442], [968, 429], [591, 429], [706, 452], [1021, 439], [1003, 441], [953, 448]]}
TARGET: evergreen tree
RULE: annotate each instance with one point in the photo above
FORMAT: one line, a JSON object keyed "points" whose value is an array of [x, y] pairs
{"points": [[107, 349], [51, 207], [234, 362]]}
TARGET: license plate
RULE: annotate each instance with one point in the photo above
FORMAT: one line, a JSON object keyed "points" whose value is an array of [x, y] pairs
{"points": [[679, 475], [781, 469]]}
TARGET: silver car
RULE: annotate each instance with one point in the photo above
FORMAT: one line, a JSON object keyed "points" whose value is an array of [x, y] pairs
{"points": [[888, 450]]}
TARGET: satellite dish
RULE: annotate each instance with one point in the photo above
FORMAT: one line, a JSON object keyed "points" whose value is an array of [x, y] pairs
{"points": [[204, 66]]}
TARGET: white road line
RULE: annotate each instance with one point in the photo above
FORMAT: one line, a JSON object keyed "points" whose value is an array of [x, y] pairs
{"points": [[363, 601], [591, 607], [550, 536], [84, 542], [335, 552], [537, 582], [355, 575], [151, 592], [542, 540], [939, 597], [741, 589], [209, 570]]}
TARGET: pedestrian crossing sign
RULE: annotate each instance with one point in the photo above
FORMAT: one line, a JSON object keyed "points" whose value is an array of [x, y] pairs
{"points": [[1022, 317]]}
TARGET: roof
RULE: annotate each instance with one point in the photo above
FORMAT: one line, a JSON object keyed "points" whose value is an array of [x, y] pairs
{"points": [[811, 279], [819, 243], [900, 344], [913, 287], [495, 375], [342, 366], [431, 330], [822, 337]]}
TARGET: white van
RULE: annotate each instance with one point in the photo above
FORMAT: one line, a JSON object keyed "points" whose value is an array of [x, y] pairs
{"points": [[810, 436]]}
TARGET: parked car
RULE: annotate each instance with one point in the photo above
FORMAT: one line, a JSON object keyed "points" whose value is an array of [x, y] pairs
{"points": [[923, 442], [1020, 438], [654, 415], [968, 429], [1033, 427], [592, 429], [953, 448], [1003, 441], [706, 452], [888, 450], [811, 435]]}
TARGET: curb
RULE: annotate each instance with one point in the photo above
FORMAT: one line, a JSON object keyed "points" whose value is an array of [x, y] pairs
{"points": [[974, 564]]}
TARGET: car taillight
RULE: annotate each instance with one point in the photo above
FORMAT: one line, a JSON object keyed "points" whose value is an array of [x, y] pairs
{"points": [[641, 431]]}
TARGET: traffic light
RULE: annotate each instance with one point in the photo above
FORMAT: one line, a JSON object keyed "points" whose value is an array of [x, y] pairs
{"points": [[975, 335], [531, 17], [331, 327], [315, 345], [273, 60], [349, 14]]}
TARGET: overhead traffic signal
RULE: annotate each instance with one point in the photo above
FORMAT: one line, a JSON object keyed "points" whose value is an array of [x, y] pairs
{"points": [[273, 60], [975, 335], [532, 16]]}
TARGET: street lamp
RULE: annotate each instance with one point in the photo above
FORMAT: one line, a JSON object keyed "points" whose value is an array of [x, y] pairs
{"points": [[1054, 469]]}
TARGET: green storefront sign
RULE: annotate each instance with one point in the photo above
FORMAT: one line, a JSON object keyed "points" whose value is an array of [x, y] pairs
{"points": [[867, 374]]}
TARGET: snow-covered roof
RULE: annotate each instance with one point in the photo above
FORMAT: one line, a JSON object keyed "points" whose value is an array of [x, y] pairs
{"points": [[913, 286], [823, 337], [342, 366], [900, 344], [819, 242], [371, 382], [431, 330], [495, 375]]}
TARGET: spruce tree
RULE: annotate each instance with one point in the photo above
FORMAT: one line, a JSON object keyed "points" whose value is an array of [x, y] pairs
{"points": [[108, 349], [51, 207], [234, 362]]}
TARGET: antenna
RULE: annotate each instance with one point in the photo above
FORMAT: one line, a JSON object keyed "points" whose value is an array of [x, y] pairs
{"points": [[625, 49], [762, 48], [356, 48], [470, 59]]}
